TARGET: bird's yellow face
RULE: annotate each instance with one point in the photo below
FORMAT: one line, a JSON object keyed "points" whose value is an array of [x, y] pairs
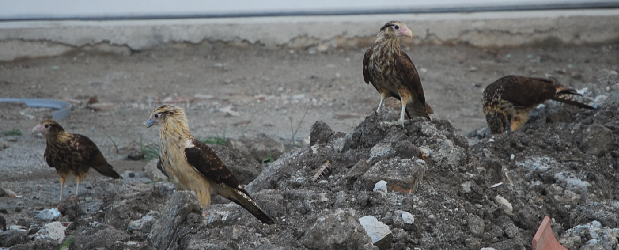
{"points": [[396, 29], [160, 113], [153, 119]]}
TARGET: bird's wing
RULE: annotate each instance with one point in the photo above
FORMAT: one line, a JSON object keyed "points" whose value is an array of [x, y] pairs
{"points": [[366, 64], [526, 91], [160, 167], [409, 78], [49, 158], [205, 161], [84, 149], [87, 154]]}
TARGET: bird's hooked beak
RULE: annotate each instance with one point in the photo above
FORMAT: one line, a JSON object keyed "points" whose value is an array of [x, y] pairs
{"points": [[150, 123], [408, 33], [37, 129]]}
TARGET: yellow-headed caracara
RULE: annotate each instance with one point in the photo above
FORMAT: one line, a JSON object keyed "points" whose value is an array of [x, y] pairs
{"points": [[72, 154], [392, 73], [192, 165], [510, 98]]}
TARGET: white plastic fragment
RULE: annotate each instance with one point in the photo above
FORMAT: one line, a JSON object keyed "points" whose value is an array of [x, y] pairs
{"points": [[48, 214]]}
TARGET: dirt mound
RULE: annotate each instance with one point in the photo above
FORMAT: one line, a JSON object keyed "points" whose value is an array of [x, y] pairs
{"points": [[383, 186]]}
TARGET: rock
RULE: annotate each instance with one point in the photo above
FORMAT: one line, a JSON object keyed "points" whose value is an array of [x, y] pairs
{"points": [[597, 140], [261, 148], [569, 181], [181, 216], [13, 237], [401, 175], [71, 209], [380, 186], [503, 203], [4, 145], [106, 238], [48, 214], [337, 230], [153, 172], [408, 218], [320, 133], [102, 106], [356, 171], [2, 223], [5, 192], [465, 187], [379, 232], [145, 223], [381, 150], [591, 235], [53, 231], [271, 201], [136, 156], [341, 142], [476, 225], [508, 226]]}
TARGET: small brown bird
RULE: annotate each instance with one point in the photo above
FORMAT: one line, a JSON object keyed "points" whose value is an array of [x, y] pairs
{"points": [[392, 73], [192, 165], [72, 154], [510, 98]]}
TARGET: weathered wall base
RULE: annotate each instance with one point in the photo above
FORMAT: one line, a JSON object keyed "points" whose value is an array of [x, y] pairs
{"points": [[50, 38]]}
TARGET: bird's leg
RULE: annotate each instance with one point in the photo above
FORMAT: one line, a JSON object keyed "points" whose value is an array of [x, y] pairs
{"points": [[383, 95], [62, 179], [406, 98], [402, 113], [380, 103], [78, 179]]}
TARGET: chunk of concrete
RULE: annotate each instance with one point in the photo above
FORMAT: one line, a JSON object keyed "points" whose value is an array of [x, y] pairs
{"points": [[597, 140], [179, 218], [53, 231], [401, 175], [379, 232], [337, 230]]}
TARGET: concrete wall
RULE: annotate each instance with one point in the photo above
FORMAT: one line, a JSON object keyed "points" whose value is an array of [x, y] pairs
{"points": [[50, 38]]}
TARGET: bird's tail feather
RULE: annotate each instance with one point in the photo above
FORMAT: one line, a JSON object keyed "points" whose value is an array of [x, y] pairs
{"points": [[428, 108], [418, 110], [108, 171], [569, 99], [245, 201]]}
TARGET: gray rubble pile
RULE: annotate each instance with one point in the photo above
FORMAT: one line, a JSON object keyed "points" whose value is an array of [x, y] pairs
{"points": [[384, 187]]}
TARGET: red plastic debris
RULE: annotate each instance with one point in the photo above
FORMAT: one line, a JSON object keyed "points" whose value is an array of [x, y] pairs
{"points": [[545, 239]]}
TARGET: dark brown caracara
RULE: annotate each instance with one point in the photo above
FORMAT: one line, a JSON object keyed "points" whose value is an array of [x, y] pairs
{"points": [[392, 73], [510, 98], [192, 165], [72, 154]]}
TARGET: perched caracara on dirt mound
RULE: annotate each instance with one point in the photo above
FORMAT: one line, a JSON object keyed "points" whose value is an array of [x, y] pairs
{"points": [[392, 73], [192, 165], [72, 154], [510, 98]]}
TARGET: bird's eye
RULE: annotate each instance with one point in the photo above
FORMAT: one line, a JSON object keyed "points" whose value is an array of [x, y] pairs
{"points": [[156, 115], [46, 125], [396, 27]]}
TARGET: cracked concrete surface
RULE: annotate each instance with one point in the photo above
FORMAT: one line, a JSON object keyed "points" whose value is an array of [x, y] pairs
{"points": [[50, 38]]}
